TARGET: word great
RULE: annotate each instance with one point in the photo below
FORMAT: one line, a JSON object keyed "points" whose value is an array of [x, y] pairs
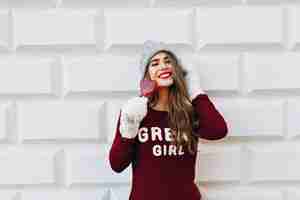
{"points": [[155, 134]]}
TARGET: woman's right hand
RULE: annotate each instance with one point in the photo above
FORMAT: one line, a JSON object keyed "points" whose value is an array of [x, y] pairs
{"points": [[132, 113]]}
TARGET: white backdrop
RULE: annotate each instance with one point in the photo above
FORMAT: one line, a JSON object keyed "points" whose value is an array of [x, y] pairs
{"points": [[67, 66]]}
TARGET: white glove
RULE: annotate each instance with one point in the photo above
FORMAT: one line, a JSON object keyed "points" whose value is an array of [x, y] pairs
{"points": [[132, 113], [193, 79]]}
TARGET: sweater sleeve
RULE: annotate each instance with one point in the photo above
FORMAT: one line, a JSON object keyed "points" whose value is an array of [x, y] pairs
{"points": [[122, 150], [212, 125]]}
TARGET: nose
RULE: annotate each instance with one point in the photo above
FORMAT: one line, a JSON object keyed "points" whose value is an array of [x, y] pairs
{"points": [[162, 65]]}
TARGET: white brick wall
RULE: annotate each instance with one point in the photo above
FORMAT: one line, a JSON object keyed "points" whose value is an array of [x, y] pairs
{"points": [[67, 66]]}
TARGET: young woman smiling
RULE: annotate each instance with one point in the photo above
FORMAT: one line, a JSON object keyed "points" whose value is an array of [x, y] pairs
{"points": [[158, 133]]}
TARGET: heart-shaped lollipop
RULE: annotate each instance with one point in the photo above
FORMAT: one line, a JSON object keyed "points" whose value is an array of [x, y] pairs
{"points": [[147, 87]]}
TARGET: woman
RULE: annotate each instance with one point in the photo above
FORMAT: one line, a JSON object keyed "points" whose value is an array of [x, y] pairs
{"points": [[159, 133]]}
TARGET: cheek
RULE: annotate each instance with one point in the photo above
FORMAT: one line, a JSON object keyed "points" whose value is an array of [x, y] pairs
{"points": [[152, 73]]}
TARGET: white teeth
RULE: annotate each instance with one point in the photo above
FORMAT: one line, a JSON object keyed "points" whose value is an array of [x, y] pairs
{"points": [[165, 75]]}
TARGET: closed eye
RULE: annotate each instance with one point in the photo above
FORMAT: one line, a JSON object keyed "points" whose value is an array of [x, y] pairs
{"points": [[154, 64]]}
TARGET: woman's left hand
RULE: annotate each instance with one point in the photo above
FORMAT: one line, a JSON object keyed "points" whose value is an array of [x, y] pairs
{"points": [[193, 80]]}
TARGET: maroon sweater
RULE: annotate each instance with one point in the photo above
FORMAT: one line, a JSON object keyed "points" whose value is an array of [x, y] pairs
{"points": [[161, 171]]}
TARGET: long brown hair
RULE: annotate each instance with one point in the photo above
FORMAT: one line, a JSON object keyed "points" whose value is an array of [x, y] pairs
{"points": [[181, 117]]}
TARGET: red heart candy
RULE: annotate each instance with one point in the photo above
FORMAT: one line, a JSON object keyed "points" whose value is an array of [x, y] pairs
{"points": [[147, 87]]}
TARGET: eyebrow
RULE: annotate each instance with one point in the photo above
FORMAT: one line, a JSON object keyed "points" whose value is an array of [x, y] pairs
{"points": [[158, 59]]}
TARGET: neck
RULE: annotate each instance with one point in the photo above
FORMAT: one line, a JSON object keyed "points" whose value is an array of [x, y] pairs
{"points": [[163, 99]]}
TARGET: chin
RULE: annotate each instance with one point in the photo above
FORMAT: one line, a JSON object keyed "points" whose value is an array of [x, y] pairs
{"points": [[165, 83]]}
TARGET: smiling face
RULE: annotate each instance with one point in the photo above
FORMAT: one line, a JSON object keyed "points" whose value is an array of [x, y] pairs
{"points": [[161, 69]]}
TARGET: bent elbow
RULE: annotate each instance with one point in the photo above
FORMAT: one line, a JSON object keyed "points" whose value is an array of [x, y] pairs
{"points": [[222, 131], [216, 132], [114, 164], [116, 169]]}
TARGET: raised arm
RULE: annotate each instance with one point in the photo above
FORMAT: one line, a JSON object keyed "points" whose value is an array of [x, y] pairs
{"points": [[122, 150], [212, 125]]}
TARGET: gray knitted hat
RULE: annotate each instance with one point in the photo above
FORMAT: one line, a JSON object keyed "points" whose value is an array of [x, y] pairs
{"points": [[150, 47]]}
